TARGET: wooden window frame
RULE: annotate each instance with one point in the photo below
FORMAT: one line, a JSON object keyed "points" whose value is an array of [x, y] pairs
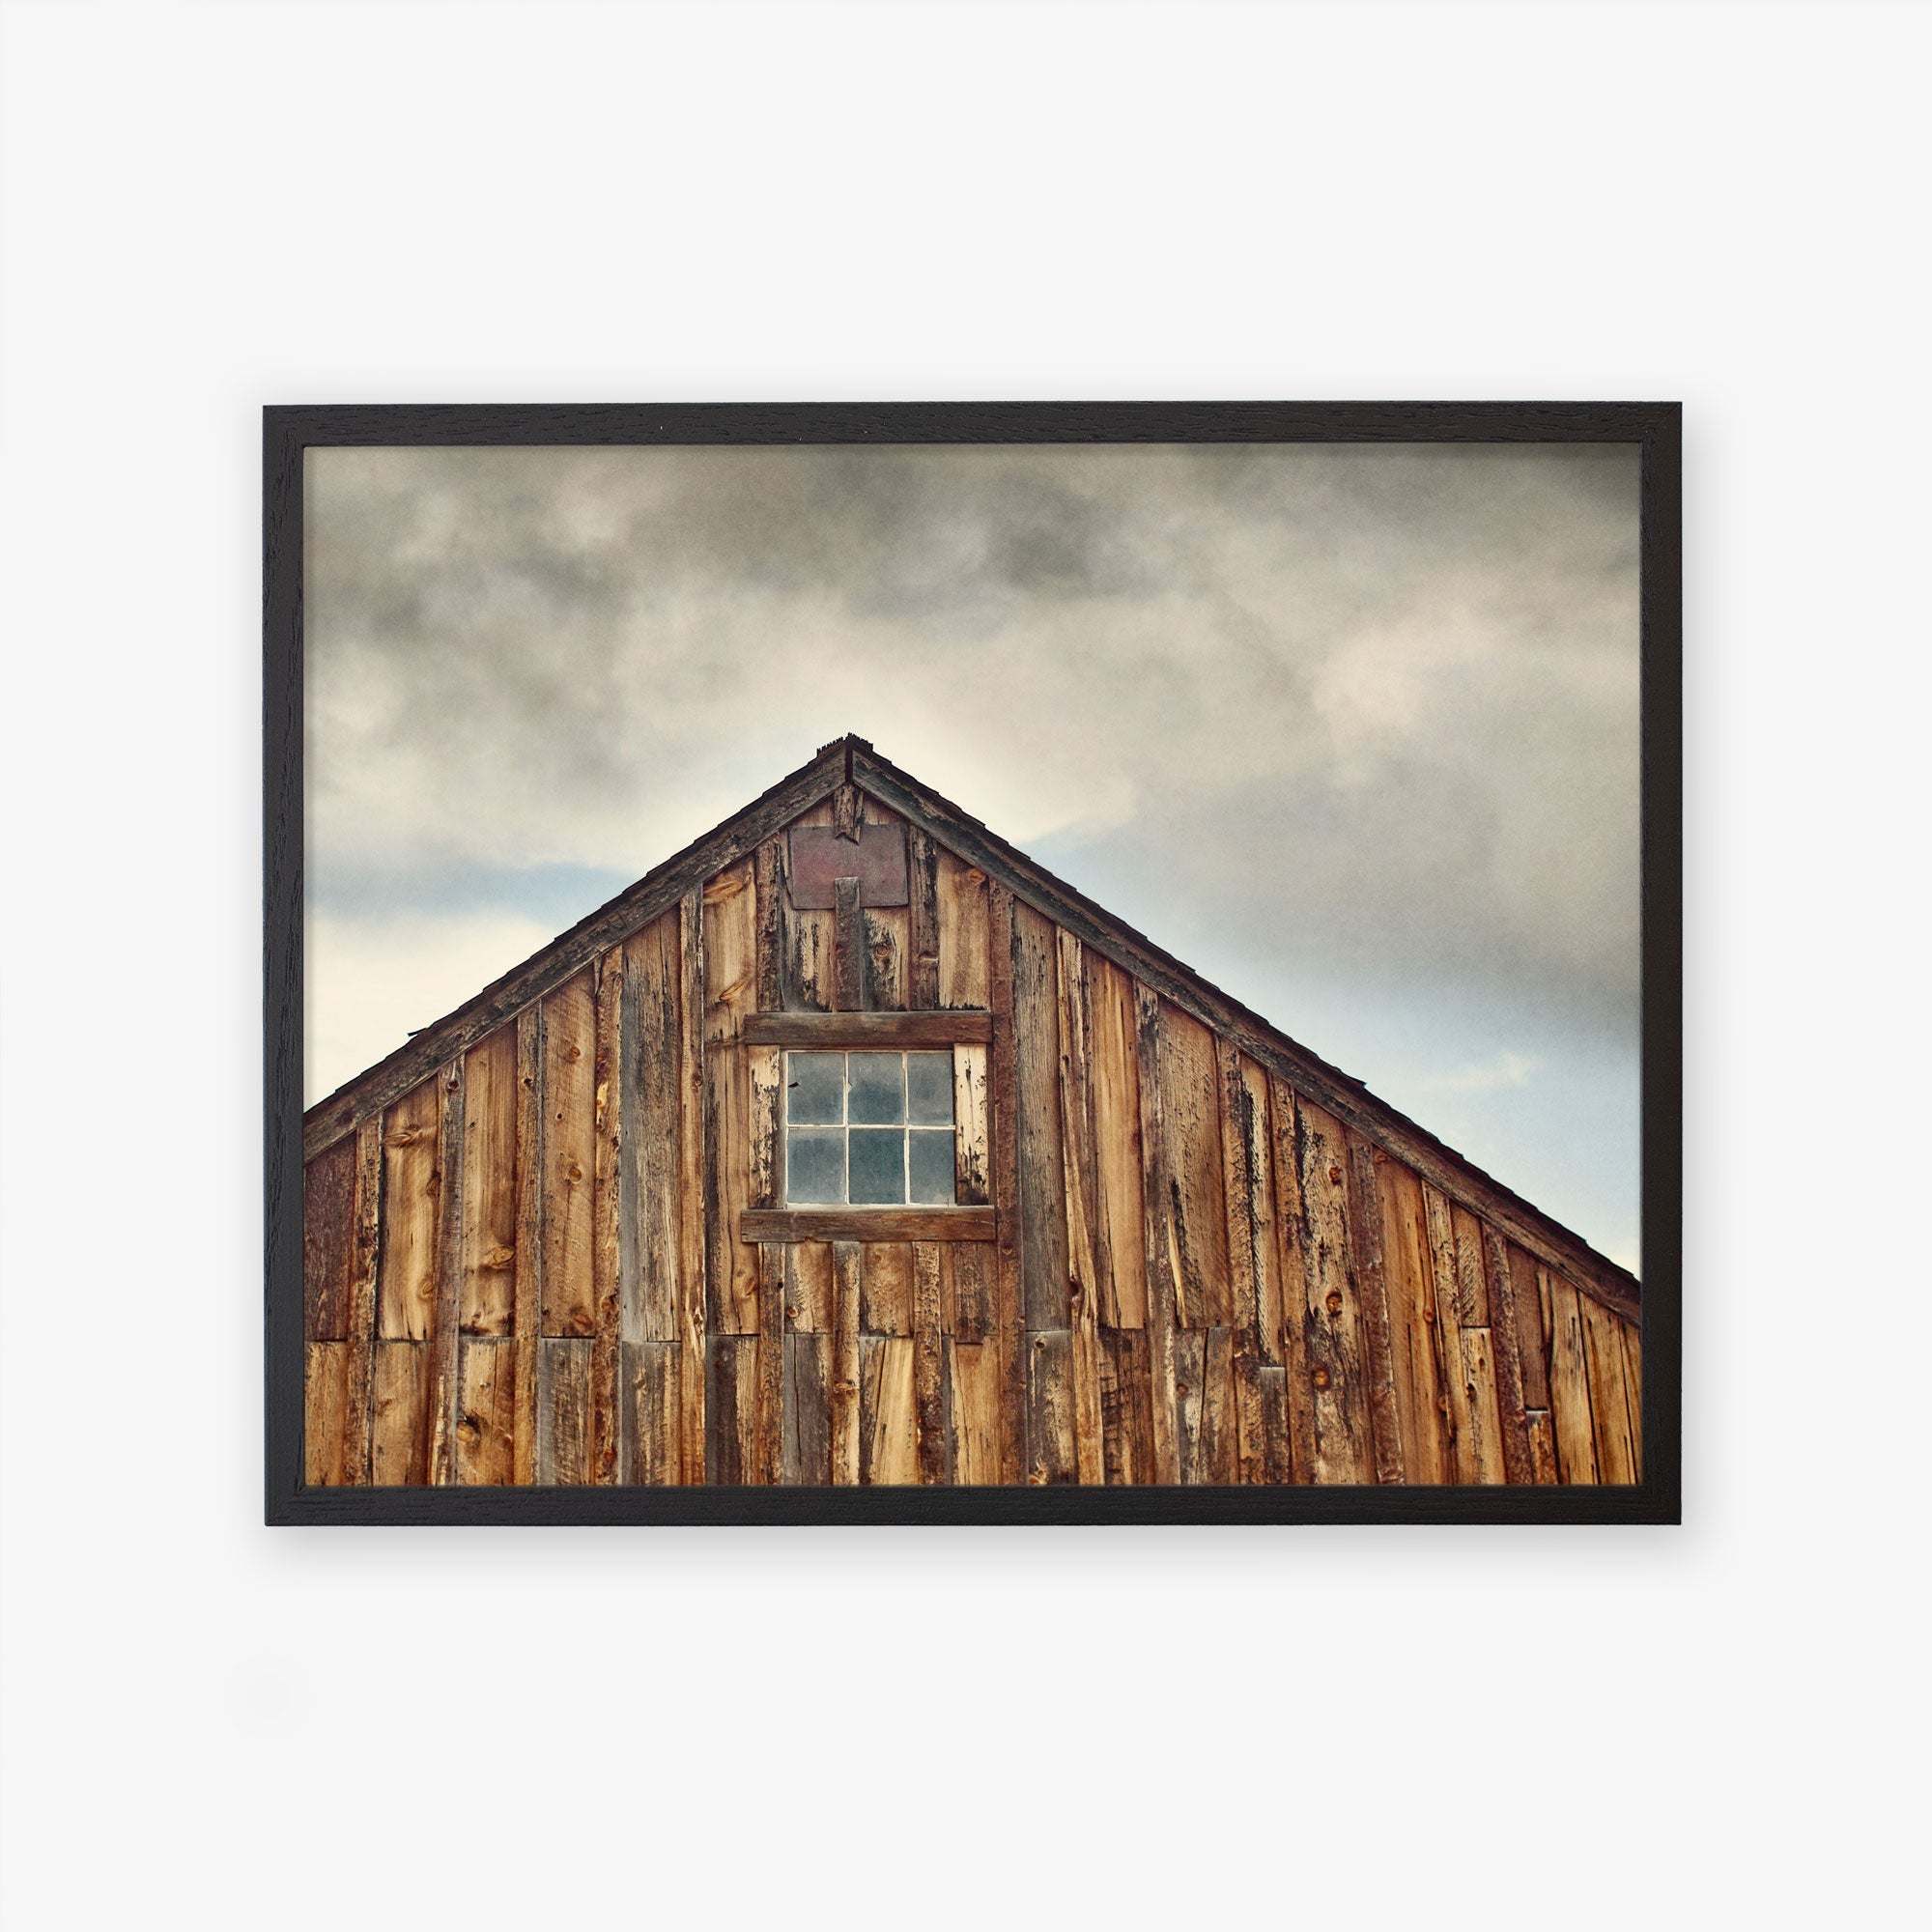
{"points": [[876, 1032]]}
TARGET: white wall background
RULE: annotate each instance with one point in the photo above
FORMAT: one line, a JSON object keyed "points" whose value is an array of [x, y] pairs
{"points": [[207, 206]]}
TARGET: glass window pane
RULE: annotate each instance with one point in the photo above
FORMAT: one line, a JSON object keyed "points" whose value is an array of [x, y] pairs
{"points": [[929, 1164], [816, 1088], [878, 1165], [815, 1164], [878, 1088], [929, 1087]]}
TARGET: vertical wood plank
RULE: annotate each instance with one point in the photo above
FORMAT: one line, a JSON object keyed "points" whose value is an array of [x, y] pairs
{"points": [[771, 875], [888, 931], [810, 947], [1051, 1451], [1569, 1383], [1329, 1408], [931, 1394], [1472, 1288], [1220, 1412], [1609, 1400], [325, 1413], [886, 1295], [923, 922], [1370, 1276], [848, 923], [1119, 1227], [570, 1132], [653, 965], [329, 1242], [693, 1365], [971, 1143], [1081, 1202], [651, 1379], [1503, 1341], [808, 1410], [489, 1184], [1470, 1404], [886, 959], [964, 932], [526, 1279], [444, 1329], [563, 1410], [1190, 1125], [967, 1283], [1190, 1380], [1427, 1451], [1633, 1387], [1127, 1413], [399, 1444], [1254, 1279], [732, 1411], [1008, 1302], [1542, 1436], [366, 1272], [844, 1425], [768, 1432], [975, 1372], [1253, 1247], [1532, 1336], [407, 1303], [1277, 1465], [606, 1218], [486, 1418], [1164, 1364], [1479, 1434], [730, 989], [807, 1287], [888, 1411], [1035, 1027]]}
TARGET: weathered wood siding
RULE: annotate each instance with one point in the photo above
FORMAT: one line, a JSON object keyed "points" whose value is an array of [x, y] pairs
{"points": [[527, 1267]]}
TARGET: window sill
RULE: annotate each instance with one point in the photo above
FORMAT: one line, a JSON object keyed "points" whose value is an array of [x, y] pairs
{"points": [[867, 1224]]}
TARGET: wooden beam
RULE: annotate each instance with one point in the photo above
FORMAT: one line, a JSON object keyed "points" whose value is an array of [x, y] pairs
{"points": [[865, 1032], [867, 1224]]}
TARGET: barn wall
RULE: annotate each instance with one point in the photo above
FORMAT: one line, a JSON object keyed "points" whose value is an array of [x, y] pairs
{"points": [[527, 1269]]}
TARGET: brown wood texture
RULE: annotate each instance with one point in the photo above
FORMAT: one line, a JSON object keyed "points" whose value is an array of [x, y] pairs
{"points": [[730, 965], [562, 1256], [328, 1242], [867, 1224], [869, 1031], [569, 1295], [1348, 1099], [488, 1306], [486, 1417]]}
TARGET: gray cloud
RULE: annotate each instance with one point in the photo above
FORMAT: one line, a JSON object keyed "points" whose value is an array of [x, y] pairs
{"points": [[1325, 716]]}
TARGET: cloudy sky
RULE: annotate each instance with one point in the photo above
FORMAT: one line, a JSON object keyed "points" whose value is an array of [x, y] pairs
{"points": [[1351, 729]]}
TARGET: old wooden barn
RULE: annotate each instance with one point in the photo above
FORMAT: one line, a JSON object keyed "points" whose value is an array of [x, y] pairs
{"points": [[850, 1145]]}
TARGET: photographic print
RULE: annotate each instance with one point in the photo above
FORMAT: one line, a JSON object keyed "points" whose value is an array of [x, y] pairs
{"points": [[972, 964]]}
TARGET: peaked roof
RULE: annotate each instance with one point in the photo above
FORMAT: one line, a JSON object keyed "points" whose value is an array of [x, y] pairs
{"points": [[852, 761]]}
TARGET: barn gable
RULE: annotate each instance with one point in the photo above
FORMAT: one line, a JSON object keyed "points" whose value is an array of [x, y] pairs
{"points": [[550, 1238]]}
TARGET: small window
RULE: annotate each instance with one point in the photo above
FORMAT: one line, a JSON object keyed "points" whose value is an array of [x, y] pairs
{"points": [[868, 1129]]}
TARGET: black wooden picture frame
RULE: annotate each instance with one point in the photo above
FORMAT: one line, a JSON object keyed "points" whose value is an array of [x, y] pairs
{"points": [[1654, 427]]}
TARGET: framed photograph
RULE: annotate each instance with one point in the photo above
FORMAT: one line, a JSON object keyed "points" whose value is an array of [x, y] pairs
{"points": [[972, 963]]}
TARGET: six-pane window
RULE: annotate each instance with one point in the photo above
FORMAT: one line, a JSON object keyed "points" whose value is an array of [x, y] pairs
{"points": [[868, 1129]]}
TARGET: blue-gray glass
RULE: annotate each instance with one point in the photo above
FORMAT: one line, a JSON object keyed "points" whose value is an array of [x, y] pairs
{"points": [[878, 1090], [815, 1164], [930, 1088], [929, 1167], [878, 1165], [817, 1089]]}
